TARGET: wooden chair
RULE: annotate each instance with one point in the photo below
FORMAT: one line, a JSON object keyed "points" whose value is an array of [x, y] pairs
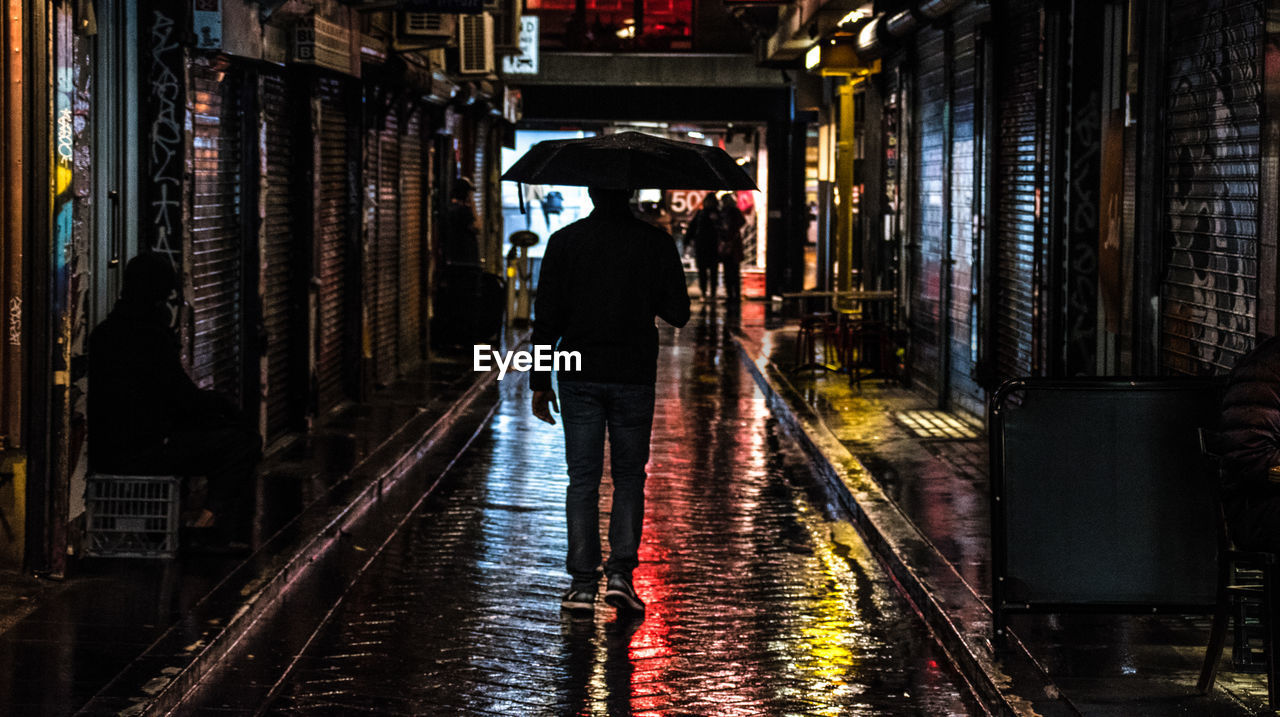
{"points": [[1245, 579]]}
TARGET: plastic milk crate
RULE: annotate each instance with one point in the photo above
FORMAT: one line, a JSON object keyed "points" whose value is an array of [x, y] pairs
{"points": [[131, 516]]}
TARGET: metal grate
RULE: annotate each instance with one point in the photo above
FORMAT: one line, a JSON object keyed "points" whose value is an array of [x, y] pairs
{"points": [[216, 260], [412, 278], [1214, 89], [281, 264], [334, 175], [1019, 186], [936, 425], [929, 222]]}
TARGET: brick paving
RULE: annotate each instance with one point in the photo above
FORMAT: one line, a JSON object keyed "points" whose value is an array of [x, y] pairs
{"points": [[760, 603]]}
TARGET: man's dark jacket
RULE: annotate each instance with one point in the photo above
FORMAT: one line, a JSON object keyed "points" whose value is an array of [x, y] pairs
{"points": [[139, 393], [603, 280], [1248, 435]]}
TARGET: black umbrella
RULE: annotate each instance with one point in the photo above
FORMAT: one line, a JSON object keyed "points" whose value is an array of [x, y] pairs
{"points": [[629, 160]]}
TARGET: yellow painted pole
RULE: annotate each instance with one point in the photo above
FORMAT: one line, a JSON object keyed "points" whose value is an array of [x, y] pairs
{"points": [[846, 151]]}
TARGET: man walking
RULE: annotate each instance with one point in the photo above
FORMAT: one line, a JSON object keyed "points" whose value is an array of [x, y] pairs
{"points": [[603, 280]]}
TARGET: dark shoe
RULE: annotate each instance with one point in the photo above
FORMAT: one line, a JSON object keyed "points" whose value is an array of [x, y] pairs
{"points": [[579, 600], [622, 595]]}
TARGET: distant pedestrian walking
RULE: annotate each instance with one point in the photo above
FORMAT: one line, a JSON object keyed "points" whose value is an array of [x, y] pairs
{"points": [[146, 415], [704, 230], [603, 281], [730, 246]]}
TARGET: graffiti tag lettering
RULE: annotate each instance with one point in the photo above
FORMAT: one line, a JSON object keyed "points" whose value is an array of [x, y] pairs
{"points": [[166, 135]]}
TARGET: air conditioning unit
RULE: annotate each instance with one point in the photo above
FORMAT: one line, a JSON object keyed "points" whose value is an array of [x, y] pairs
{"points": [[475, 44], [427, 25]]}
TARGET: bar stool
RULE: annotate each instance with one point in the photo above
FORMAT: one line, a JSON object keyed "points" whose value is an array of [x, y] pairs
{"points": [[1246, 591], [859, 335], [814, 328]]}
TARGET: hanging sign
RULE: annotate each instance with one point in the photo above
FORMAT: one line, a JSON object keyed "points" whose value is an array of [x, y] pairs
{"points": [[526, 62], [206, 21]]}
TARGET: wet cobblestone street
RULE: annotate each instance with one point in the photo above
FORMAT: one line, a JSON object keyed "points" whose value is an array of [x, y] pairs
{"points": [[760, 603]]}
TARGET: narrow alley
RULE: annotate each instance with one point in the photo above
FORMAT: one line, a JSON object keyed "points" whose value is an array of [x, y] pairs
{"points": [[759, 602]]}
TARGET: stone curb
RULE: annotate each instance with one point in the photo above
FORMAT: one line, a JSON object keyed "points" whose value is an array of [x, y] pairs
{"points": [[958, 618], [159, 680]]}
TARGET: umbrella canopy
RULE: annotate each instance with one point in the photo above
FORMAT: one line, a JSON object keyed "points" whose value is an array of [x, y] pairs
{"points": [[629, 160]]}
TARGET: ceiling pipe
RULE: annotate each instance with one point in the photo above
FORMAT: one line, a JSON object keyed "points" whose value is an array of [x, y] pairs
{"points": [[875, 37]]}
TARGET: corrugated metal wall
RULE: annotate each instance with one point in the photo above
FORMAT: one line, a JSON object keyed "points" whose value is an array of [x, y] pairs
{"points": [[962, 335], [332, 211], [929, 225], [383, 265], [1212, 162], [412, 208], [281, 271], [1019, 186], [216, 232]]}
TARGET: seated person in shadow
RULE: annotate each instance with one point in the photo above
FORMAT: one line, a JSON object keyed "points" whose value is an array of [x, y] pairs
{"points": [[1248, 442], [146, 415]]}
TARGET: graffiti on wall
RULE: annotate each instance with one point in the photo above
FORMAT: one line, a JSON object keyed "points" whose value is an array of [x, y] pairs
{"points": [[164, 136], [1082, 259], [1212, 184]]}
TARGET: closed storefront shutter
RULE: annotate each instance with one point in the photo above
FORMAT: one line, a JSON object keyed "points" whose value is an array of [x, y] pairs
{"points": [[384, 288], [1019, 187], [1212, 162], [332, 212], [929, 221], [281, 269], [962, 313], [479, 171], [217, 262], [411, 241]]}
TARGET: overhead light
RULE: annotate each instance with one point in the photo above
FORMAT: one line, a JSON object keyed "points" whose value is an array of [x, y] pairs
{"points": [[855, 15], [813, 57], [696, 135]]}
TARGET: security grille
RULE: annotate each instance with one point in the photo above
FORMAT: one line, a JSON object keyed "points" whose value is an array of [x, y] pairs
{"points": [[217, 268], [1212, 159], [412, 278], [332, 236], [280, 270], [927, 239]]}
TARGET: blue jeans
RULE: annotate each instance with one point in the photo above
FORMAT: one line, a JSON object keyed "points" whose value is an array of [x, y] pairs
{"points": [[587, 408]]}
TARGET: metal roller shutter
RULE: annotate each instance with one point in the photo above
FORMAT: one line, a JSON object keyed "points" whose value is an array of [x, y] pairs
{"points": [[962, 313], [384, 276], [332, 210], [217, 268], [1210, 286], [280, 272], [478, 177], [1019, 188], [411, 241], [929, 220]]}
